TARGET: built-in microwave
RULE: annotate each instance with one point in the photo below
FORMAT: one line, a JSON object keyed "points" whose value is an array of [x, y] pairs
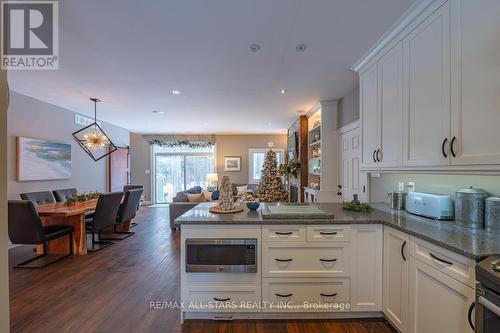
{"points": [[208, 255]]}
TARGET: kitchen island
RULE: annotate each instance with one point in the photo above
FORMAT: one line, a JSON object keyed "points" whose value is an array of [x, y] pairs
{"points": [[342, 264]]}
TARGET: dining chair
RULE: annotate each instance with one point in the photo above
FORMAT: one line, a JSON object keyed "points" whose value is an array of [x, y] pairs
{"points": [[64, 194], [133, 187], [39, 198], [105, 215], [126, 212], [25, 227]]}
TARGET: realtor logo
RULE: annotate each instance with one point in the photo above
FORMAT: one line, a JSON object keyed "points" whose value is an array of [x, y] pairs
{"points": [[30, 32]]}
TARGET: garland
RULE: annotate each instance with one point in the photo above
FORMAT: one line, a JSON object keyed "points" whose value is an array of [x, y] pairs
{"points": [[182, 143], [290, 168]]}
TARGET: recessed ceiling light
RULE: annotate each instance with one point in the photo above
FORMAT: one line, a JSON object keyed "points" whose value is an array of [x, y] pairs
{"points": [[301, 47], [269, 124], [158, 112], [282, 91], [254, 47], [176, 92]]}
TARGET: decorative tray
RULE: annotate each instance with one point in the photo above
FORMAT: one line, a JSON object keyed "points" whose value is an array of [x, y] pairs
{"points": [[216, 210]]}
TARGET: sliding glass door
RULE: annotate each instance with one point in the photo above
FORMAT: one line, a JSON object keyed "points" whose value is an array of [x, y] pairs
{"points": [[177, 171]]}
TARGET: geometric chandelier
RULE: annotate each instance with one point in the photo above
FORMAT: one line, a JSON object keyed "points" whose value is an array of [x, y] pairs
{"points": [[93, 140]]}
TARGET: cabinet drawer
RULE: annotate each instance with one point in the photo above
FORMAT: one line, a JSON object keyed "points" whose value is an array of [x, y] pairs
{"points": [[328, 233], [450, 263], [291, 259], [306, 294], [222, 298], [276, 233]]}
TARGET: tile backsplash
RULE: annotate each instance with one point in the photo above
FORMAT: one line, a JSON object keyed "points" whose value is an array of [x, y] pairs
{"points": [[432, 183]]}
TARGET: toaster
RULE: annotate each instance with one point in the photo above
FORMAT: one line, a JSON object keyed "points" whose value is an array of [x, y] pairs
{"points": [[434, 206]]}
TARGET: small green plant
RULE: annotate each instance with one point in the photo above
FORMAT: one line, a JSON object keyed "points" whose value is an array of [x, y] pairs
{"points": [[82, 197], [357, 206]]}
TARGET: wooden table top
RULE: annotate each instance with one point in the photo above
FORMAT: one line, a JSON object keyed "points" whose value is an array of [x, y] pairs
{"points": [[59, 209]]}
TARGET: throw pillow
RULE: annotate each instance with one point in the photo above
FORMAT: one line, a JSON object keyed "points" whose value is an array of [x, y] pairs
{"points": [[196, 197], [207, 194], [241, 190]]}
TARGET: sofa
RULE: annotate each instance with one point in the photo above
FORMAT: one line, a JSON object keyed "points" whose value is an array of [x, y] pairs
{"points": [[180, 203]]}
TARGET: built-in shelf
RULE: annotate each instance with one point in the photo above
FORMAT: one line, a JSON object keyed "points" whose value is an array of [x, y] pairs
{"points": [[315, 143], [317, 128]]}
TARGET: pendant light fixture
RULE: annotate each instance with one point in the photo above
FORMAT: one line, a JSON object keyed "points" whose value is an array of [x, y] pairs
{"points": [[93, 140]]}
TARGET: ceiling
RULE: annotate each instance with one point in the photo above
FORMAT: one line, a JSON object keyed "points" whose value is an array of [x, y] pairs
{"points": [[132, 54]]}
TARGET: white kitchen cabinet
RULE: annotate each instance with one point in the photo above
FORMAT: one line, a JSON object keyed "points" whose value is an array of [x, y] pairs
{"points": [[476, 58], [427, 91], [366, 267], [368, 92], [395, 277], [438, 303], [390, 118]]}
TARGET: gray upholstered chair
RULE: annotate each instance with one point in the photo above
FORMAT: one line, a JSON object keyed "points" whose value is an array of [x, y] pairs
{"points": [[64, 194], [39, 198], [105, 215], [25, 227], [126, 212], [134, 187]]}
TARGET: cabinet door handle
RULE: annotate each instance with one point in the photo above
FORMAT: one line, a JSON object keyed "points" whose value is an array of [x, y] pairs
{"points": [[328, 260], [327, 233], [378, 155], [283, 295], [283, 233], [452, 145], [373, 155], [283, 260], [403, 250], [329, 295], [439, 259], [222, 299], [442, 147], [469, 315]]}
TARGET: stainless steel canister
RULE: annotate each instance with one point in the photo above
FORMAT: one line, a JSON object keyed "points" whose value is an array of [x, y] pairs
{"points": [[398, 200], [469, 207], [492, 214]]}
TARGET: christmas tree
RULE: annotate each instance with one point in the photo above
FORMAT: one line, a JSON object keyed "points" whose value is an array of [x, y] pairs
{"points": [[271, 187]]}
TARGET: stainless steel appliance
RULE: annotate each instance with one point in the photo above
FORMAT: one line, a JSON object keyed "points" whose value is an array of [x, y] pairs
{"points": [[487, 305], [398, 200], [434, 206], [492, 214], [221, 255], [469, 207]]}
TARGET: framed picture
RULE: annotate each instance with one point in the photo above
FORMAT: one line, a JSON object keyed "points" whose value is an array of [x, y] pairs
{"points": [[232, 163], [39, 159]]}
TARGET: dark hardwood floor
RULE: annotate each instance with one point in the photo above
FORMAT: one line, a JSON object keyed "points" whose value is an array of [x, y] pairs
{"points": [[110, 291]]}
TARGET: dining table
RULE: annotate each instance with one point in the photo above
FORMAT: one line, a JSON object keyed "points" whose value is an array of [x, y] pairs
{"points": [[72, 215]]}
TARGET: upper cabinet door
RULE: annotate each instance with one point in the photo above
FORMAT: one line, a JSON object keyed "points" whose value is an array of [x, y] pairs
{"points": [[368, 93], [476, 57], [427, 91], [390, 71]]}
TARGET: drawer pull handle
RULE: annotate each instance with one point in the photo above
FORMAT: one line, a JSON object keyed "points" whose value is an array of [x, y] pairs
{"points": [[439, 259], [222, 299], [283, 260], [283, 233], [403, 250], [327, 233], [328, 260], [469, 315], [284, 295], [329, 295]]}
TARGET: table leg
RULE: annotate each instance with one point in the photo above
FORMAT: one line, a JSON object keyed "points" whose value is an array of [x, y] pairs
{"points": [[61, 245]]}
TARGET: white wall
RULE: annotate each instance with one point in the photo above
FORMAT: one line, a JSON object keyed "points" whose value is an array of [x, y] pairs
{"points": [[33, 118], [441, 184], [4, 269]]}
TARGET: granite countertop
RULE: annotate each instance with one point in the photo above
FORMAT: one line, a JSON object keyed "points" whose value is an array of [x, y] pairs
{"points": [[473, 243]]}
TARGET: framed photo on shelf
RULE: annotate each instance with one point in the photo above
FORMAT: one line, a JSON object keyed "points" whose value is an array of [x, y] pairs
{"points": [[232, 163]]}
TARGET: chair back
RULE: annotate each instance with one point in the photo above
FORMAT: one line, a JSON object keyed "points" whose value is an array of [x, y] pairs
{"points": [[64, 194], [128, 207], [39, 198], [107, 208], [132, 187], [25, 226]]}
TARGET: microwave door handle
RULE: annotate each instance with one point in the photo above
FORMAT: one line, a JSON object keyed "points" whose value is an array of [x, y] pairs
{"points": [[489, 305]]}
